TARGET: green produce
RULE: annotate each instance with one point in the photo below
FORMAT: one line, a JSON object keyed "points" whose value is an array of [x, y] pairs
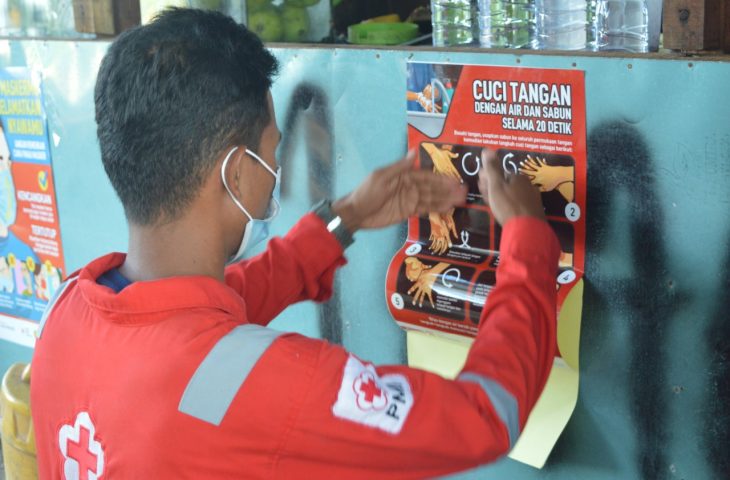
{"points": [[253, 6], [150, 8], [296, 23], [209, 4], [267, 24], [302, 3]]}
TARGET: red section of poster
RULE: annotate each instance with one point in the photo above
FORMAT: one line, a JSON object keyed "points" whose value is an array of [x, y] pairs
{"points": [[36, 222], [534, 119]]}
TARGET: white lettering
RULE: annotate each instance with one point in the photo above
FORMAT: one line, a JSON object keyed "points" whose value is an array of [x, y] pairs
{"points": [[34, 197]]}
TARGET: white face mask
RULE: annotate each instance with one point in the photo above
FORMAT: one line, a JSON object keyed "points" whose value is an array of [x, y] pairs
{"points": [[256, 229]]}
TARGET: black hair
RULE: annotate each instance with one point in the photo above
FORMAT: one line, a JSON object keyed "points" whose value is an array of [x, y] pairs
{"points": [[170, 97]]}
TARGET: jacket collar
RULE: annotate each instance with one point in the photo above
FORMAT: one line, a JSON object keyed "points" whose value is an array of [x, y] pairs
{"points": [[151, 301]]}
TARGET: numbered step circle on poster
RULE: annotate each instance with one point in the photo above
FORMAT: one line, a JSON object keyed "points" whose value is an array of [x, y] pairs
{"points": [[566, 277], [572, 212], [397, 300], [413, 249]]}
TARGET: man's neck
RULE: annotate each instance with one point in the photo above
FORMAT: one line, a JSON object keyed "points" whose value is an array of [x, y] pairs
{"points": [[174, 249]]}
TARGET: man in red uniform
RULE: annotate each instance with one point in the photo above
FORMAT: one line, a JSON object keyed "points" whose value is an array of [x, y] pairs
{"points": [[158, 364]]}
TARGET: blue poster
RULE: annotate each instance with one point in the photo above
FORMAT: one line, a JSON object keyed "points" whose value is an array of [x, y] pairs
{"points": [[31, 255]]}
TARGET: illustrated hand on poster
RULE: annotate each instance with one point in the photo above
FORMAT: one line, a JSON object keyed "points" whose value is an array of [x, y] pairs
{"points": [[566, 259], [442, 160], [442, 225], [442, 228], [423, 277], [428, 98], [549, 177]]}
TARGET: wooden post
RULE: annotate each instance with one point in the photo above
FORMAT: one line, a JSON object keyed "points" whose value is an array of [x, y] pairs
{"points": [[106, 17], [694, 25], [726, 29]]}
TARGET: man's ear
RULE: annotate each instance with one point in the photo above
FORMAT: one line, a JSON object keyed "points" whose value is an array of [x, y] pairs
{"points": [[232, 169]]}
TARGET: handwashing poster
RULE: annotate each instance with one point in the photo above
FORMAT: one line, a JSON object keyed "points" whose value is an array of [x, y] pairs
{"points": [[31, 255], [439, 281]]}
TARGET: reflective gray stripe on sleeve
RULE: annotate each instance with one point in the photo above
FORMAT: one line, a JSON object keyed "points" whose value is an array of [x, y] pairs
{"points": [[52, 303], [215, 383], [504, 403]]}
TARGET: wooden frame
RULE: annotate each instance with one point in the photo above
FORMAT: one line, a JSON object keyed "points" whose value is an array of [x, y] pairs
{"points": [[106, 17], [695, 25]]}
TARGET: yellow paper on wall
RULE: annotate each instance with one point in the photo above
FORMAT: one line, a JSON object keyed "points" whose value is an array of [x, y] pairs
{"points": [[445, 356]]}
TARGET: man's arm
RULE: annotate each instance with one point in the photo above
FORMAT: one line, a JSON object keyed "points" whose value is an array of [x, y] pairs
{"points": [[350, 419], [301, 265], [361, 421]]}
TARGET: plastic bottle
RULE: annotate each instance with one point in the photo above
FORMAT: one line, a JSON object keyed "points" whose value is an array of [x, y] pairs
{"points": [[561, 24], [622, 25], [452, 22], [507, 23], [591, 22]]}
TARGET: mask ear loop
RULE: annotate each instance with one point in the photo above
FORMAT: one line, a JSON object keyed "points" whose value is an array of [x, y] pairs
{"points": [[275, 197], [261, 161], [228, 189], [277, 177]]}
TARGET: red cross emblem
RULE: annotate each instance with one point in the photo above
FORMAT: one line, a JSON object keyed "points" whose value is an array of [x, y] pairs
{"points": [[369, 395], [82, 452]]}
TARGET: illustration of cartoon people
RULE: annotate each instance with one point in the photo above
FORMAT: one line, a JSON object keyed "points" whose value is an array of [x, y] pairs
{"points": [[53, 278], [12, 264], [423, 277], [550, 177], [15, 267], [27, 280], [47, 280], [6, 276], [41, 282]]}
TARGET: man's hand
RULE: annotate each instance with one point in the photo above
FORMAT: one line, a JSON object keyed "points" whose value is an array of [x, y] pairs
{"points": [[392, 194], [510, 196]]}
